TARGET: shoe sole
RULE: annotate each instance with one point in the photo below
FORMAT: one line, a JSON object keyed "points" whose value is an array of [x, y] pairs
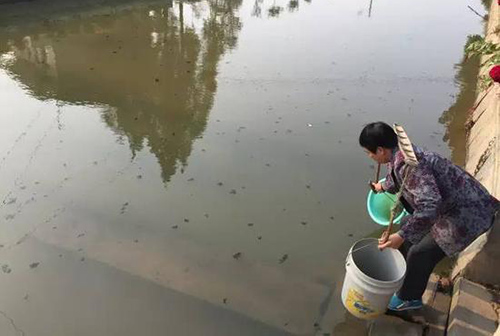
{"points": [[403, 309]]}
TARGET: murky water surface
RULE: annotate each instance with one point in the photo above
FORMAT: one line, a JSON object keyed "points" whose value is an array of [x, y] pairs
{"points": [[192, 168]]}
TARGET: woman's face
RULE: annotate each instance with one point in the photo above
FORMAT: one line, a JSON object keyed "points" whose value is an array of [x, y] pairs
{"points": [[381, 155]]}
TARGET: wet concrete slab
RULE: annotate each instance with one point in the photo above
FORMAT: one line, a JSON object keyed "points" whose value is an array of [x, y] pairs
{"points": [[67, 294], [394, 326]]}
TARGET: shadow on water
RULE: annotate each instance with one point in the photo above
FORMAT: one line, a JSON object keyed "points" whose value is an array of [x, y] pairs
{"points": [[165, 95], [455, 117]]}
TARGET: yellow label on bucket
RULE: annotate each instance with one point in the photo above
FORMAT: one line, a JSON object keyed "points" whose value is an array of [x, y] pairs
{"points": [[358, 306]]}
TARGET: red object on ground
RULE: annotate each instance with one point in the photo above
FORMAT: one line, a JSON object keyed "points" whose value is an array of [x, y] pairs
{"points": [[495, 72]]}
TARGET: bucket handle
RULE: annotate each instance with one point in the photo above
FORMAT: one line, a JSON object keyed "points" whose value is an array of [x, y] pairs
{"points": [[357, 249]]}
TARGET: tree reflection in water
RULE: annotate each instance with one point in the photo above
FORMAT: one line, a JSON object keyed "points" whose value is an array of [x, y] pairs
{"points": [[153, 71]]}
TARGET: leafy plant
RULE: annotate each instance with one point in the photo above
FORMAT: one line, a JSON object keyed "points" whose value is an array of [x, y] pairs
{"points": [[476, 45]]}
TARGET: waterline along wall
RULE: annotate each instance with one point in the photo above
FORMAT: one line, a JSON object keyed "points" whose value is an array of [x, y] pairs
{"points": [[477, 262]]}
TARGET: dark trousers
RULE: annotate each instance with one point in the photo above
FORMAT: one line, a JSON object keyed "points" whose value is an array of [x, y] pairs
{"points": [[421, 259]]}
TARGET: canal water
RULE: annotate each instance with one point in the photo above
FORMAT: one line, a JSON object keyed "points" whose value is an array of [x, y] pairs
{"points": [[192, 168]]}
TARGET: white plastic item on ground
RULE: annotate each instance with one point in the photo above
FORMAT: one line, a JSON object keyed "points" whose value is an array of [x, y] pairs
{"points": [[372, 277]]}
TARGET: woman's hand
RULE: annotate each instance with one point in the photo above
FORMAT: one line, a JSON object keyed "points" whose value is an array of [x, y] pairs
{"points": [[377, 187], [393, 241]]}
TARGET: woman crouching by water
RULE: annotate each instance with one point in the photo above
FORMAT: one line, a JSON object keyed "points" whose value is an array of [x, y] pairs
{"points": [[448, 209]]}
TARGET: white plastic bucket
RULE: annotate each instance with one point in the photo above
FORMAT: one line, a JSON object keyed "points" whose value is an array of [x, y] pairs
{"points": [[371, 277]]}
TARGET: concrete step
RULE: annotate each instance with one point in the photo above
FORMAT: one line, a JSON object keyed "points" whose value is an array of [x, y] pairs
{"points": [[474, 310], [436, 308], [433, 316]]}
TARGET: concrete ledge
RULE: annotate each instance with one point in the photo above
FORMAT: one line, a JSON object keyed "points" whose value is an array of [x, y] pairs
{"points": [[472, 310], [483, 161], [474, 263]]}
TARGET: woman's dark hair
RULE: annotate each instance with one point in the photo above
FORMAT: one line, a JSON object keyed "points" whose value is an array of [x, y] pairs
{"points": [[378, 134]]}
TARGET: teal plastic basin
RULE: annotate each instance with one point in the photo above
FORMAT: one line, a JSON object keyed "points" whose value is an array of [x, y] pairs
{"points": [[379, 207]]}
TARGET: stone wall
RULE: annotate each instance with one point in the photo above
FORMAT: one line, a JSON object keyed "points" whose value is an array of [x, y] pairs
{"points": [[481, 260]]}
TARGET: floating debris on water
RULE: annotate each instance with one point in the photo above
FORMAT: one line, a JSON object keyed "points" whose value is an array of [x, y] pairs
{"points": [[124, 207], [237, 255], [283, 258], [11, 200], [34, 265]]}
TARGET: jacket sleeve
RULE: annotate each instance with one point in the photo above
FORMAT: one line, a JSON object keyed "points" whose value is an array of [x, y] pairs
{"points": [[427, 198]]}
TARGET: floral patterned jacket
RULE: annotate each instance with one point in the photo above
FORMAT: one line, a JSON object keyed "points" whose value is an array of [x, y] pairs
{"points": [[445, 200]]}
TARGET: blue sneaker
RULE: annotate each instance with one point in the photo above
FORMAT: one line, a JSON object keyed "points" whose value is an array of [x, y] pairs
{"points": [[396, 304]]}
